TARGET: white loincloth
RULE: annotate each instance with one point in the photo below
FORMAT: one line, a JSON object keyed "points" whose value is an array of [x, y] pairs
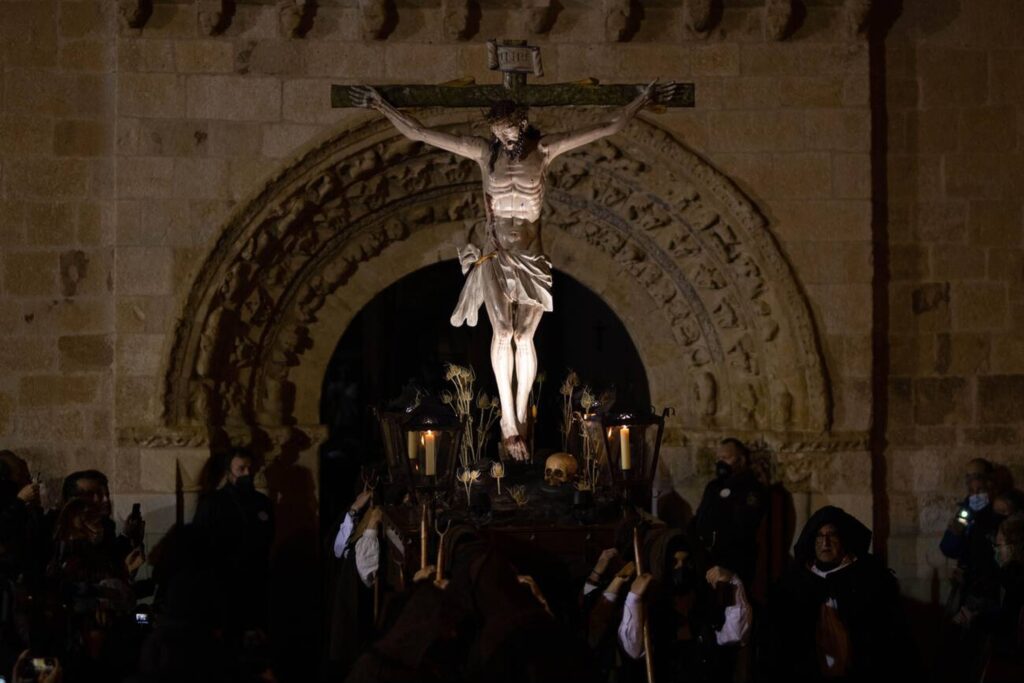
{"points": [[523, 278]]}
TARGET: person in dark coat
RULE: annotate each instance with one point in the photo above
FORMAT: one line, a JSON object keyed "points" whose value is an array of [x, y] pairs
{"points": [[239, 523], [836, 615], [731, 510]]}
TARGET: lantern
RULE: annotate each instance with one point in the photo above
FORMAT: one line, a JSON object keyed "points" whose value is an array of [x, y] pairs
{"points": [[430, 438], [632, 444]]}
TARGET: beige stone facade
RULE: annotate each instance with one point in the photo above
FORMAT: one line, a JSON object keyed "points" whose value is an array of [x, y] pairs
{"points": [[830, 240]]}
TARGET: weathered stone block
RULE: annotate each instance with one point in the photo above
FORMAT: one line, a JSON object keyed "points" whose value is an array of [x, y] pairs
{"points": [[963, 354], [839, 129], [996, 223], [234, 98], [201, 178], [144, 271], [941, 222], [145, 55], [24, 135], [235, 139], [85, 352], [988, 129], [979, 305], [154, 95], [145, 177], [50, 426], [851, 176], [204, 56], [49, 224], [286, 139], [811, 92], [756, 131], [958, 262], [139, 354], [941, 401], [27, 354], [32, 273], [135, 401], [39, 391], [908, 262], [82, 138], [47, 178], [933, 130], [1000, 399], [951, 76], [160, 137]]}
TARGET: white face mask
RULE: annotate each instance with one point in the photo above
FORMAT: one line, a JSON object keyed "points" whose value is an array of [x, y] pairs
{"points": [[978, 501]]}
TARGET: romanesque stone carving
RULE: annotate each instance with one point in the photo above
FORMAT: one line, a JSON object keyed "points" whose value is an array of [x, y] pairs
{"points": [[215, 17], [540, 15], [853, 18], [779, 19], [455, 19], [701, 15], [296, 16], [617, 20], [704, 257], [373, 17], [134, 13], [706, 394]]}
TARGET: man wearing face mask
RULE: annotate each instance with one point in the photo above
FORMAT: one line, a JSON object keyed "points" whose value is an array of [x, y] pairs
{"points": [[730, 511], [239, 522], [969, 539]]}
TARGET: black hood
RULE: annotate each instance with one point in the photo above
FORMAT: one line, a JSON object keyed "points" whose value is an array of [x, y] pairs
{"points": [[856, 537]]}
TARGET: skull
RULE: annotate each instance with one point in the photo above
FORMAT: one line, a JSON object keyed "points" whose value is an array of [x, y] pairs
{"points": [[559, 469]]}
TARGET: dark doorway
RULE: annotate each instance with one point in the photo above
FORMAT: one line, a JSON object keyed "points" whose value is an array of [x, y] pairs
{"points": [[403, 336]]}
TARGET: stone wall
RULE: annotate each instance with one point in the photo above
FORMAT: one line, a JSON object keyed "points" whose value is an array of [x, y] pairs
{"points": [[132, 130], [956, 296]]}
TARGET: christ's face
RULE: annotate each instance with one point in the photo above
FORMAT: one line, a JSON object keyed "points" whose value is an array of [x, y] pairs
{"points": [[508, 135]]}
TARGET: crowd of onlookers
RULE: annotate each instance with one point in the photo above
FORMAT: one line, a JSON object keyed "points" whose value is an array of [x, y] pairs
{"points": [[81, 600]]}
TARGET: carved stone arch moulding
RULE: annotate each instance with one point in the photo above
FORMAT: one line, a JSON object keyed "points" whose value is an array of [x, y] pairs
{"points": [[685, 259]]}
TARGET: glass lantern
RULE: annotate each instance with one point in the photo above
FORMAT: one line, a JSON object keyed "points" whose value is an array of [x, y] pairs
{"points": [[430, 438], [632, 444]]}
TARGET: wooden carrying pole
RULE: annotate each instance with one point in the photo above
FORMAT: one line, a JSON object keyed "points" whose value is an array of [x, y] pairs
{"points": [[423, 537], [648, 655]]}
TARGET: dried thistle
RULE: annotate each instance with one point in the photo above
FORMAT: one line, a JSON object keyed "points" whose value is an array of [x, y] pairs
{"points": [[518, 493], [498, 473], [587, 400], [468, 477]]}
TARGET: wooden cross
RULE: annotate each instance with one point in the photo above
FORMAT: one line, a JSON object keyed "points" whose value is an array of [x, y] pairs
{"points": [[515, 60]]}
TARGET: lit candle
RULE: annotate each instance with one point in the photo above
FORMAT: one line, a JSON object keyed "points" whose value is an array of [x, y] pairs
{"points": [[627, 460], [430, 466], [412, 444], [533, 411]]}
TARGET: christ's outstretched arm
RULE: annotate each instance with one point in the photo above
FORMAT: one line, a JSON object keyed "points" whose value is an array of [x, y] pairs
{"points": [[463, 145], [560, 143]]}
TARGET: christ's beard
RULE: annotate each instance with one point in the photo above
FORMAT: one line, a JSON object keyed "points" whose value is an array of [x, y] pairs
{"points": [[515, 152]]}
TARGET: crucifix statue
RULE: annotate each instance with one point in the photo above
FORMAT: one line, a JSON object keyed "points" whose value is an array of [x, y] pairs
{"points": [[509, 274]]}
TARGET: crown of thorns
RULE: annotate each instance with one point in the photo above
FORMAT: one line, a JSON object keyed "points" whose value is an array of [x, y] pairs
{"points": [[506, 111]]}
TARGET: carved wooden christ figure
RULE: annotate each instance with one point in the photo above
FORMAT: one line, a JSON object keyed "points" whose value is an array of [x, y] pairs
{"points": [[511, 275]]}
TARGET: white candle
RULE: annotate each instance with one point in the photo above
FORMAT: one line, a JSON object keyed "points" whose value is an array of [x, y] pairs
{"points": [[430, 466], [412, 444], [627, 460]]}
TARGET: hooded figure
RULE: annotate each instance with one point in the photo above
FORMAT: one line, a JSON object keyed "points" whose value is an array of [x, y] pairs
{"points": [[836, 614]]}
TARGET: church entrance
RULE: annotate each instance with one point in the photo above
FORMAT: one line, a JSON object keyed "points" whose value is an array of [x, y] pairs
{"points": [[401, 341]]}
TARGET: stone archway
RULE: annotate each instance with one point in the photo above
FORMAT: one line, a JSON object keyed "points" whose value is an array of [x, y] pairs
{"points": [[684, 259]]}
